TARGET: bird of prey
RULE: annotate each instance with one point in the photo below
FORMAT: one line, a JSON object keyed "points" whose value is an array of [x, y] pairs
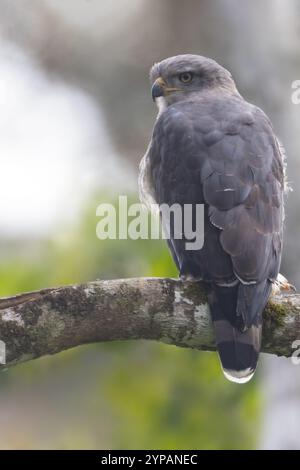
{"points": [[210, 146]]}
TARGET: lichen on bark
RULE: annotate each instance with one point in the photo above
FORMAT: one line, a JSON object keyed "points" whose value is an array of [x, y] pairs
{"points": [[168, 310]]}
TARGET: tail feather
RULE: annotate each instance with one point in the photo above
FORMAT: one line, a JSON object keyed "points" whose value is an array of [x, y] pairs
{"points": [[238, 351], [238, 343]]}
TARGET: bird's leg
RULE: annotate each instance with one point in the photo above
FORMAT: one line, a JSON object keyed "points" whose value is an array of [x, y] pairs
{"points": [[189, 272], [281, 284], [190, 278]]}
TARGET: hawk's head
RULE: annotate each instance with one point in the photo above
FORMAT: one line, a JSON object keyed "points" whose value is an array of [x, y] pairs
{"points": [[176, 78]]}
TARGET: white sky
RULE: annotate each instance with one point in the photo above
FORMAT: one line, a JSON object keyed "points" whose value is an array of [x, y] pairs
{"points": [[53, 148]]}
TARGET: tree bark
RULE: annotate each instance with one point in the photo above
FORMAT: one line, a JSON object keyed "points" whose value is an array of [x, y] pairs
{"points": [[168, 310]]}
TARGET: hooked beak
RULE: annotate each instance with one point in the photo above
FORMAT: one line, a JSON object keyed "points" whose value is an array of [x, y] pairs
{"points": [[160, 88]]}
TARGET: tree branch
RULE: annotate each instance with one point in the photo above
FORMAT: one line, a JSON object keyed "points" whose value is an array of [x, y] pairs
{"points": [[168, 310]]}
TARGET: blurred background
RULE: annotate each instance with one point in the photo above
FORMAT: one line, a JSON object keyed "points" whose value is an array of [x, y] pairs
{"points": [[75, 118]]}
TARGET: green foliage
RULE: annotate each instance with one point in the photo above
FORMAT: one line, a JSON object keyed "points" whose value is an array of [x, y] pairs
{"points": [[120, 395], [169, 398]]}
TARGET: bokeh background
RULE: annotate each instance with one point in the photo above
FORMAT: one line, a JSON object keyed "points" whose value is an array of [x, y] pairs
{"points": [[75, 118]]}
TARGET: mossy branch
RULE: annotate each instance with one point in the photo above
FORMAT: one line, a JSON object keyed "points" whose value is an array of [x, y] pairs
{"points": [[168, 310]]}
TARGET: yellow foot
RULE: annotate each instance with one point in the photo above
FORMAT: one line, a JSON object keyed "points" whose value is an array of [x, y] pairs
{"points": [[282, 285]]}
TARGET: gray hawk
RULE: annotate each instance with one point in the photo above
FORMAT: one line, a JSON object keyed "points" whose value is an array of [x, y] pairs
{"points": [[210, 146]]}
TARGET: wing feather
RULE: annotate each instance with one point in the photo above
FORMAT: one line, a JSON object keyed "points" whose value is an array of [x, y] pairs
{"points": [[225, 155]]}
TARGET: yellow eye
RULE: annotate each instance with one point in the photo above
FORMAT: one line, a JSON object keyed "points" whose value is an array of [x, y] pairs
{"points": [[186, 77]]}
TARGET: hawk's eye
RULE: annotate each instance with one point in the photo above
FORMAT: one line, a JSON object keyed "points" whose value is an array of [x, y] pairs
{"points": [[186, 77]]}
